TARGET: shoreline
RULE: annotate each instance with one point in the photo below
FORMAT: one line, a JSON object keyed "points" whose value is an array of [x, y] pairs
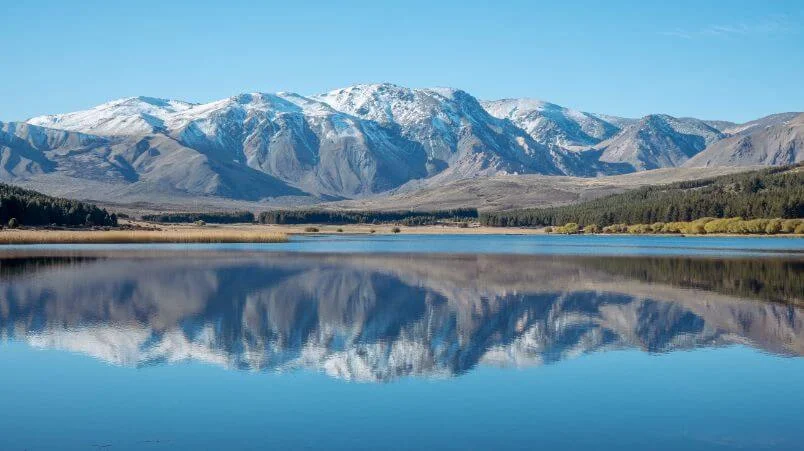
{"points": [[141, 232]]}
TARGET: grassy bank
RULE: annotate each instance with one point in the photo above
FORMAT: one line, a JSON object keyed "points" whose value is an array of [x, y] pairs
{"points": [[140, 236]]}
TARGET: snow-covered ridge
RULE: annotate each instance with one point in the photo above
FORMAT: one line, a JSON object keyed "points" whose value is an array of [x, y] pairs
{"points": [[131, 115], [346, 143], [551, 123]]}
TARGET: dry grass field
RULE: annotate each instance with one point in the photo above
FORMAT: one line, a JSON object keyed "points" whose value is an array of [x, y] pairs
{"points": [[173, 235], [232, 233]]}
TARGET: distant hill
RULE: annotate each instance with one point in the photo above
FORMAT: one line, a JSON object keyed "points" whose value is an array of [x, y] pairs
{"points": [[659, 141], [770, 145]]}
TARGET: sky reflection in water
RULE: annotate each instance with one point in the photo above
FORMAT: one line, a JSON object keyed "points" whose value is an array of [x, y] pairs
{"points": [[250, 348]]}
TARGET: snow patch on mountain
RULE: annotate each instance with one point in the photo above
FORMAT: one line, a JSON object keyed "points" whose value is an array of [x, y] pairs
{"points": [[549, 123], [128, 116]]}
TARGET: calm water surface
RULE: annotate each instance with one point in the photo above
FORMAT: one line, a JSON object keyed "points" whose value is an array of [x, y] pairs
{"points": [[498, 342]]}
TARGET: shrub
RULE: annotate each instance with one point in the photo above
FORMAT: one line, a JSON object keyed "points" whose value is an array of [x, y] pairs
{"points": [[311, 229], [773, 227], [571, 228], [12, 223], [639, 228], [799, 228], [696, 228], [789, 225], [463, 225], [339, 230], [396, 230], [755, 226], [725, 225], [548, 229], [591, 228], [200, 223], [615, 228], [736, 225]]}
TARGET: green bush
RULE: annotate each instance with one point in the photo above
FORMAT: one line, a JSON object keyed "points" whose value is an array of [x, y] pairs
{"points": [[548, 229], [12, 223], [591, 228], [571, 228]]}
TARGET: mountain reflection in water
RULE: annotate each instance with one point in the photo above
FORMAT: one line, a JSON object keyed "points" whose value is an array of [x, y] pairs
{"points": [[379, 317]]}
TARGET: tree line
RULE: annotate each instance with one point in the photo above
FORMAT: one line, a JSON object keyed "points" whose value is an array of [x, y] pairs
{"points": [[777, 280], [408, 217], [20, 206], [211, 217], [769, 193]]}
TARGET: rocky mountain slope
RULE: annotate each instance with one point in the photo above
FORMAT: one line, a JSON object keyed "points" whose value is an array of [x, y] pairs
{"points": [[765, 144], [548, 123], [658, 141], [148, 164], [347, 143]]}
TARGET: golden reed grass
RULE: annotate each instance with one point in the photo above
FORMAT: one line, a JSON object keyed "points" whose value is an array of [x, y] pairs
{"points": [[138, 236]]}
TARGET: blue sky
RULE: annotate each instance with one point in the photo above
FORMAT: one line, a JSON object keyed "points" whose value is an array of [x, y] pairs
{"points": [[734, 60]]}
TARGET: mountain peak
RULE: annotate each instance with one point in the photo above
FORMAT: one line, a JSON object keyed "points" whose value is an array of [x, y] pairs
{"points": [[356, 140], [549, 123]]}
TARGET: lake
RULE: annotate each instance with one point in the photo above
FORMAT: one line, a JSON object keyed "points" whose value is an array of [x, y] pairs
{"points": [[405, 342]]}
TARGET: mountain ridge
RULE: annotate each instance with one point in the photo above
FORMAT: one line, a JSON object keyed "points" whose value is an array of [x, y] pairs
{"points": [[348, 143]]}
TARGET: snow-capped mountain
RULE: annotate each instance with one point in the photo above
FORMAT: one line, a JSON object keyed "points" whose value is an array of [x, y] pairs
{"points": [[129, 116], [659, 141], [350, 142], [549, 123], [135, 164], [347, 143]]}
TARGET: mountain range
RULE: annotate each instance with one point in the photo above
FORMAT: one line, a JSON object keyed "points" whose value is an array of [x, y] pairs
{"points": [[358, 141]]}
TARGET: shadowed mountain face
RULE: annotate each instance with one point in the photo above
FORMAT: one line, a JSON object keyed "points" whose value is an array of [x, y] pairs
{"points": [[384, 317]]}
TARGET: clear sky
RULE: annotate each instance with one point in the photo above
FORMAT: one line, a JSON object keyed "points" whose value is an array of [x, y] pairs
{"points": [[733, 60]]}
